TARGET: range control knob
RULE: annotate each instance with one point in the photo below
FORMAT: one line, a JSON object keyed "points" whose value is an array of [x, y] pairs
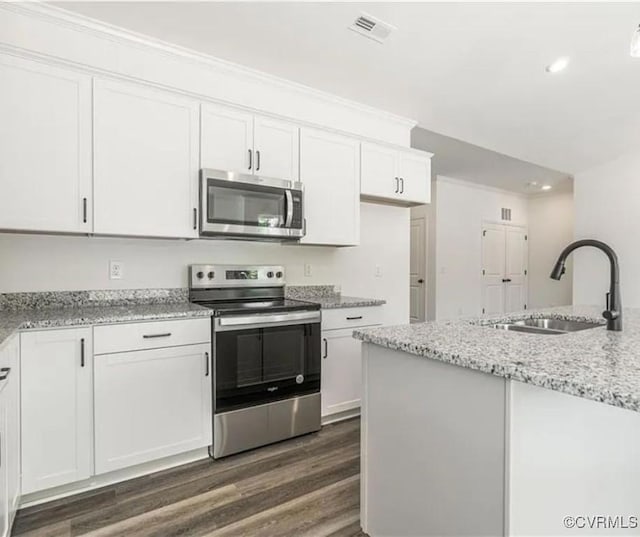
{"points": [[211, 274], [279, 274], [269, 274], [200, 275]]}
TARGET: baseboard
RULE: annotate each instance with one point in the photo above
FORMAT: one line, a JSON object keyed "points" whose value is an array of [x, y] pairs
{"points": [[341, 416]]}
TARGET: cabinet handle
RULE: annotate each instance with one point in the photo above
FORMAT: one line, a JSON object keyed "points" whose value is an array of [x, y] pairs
{"points": [[206, 364], [402, 185], [82, 352], [354, 318], [4, 373], [397, 184], [84, 210], [151, 336], [195, 218], [326, 347], [257, 160], [250, 158]]}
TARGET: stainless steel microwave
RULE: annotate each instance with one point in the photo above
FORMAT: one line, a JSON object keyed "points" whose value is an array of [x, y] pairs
{"points": [[235, 205]]}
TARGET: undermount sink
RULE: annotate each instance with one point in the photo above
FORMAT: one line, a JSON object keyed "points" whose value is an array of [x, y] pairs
{"points": [[546, 326]]}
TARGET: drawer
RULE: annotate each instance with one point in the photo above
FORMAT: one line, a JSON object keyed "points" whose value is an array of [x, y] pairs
{"points": [[351, 317], [150, 335]]}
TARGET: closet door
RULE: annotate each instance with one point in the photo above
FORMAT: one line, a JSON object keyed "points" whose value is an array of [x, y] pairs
{"points": [[515, 269], [493, 262]]}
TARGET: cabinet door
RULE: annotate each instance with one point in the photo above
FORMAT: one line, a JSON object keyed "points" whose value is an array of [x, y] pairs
{"points": [[414, 171], [226, 139], [277, 148], [163, 406], [145, 161], [330, 171], [5, 518], [45, 147], [379, 172], [10, 359], [341, 372], [57, 410]]}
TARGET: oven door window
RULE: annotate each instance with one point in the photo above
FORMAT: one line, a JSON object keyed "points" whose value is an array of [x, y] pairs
{"points": [[246, 205], [262, 365]]}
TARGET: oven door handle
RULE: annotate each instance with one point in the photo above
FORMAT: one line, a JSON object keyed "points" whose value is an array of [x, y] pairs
{"points": [[269, 318], [289, 203]]}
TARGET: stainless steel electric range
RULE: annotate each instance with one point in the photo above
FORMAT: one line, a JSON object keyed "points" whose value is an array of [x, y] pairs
{"points": [[266, 356]]}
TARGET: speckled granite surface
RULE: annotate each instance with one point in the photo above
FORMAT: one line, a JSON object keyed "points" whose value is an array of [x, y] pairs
{"points": [[328, 298], [595, 364], [58, 317], [83, 299]]}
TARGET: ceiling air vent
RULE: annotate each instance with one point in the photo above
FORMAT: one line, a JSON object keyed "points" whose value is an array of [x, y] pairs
{"points": [[372, 28]]}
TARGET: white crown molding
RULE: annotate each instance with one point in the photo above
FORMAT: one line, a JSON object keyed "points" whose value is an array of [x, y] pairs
{"points": [[77, 22]]}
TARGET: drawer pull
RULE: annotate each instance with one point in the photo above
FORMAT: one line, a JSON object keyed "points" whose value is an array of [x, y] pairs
{"points": [[354, 318], [152, 336], [82, 352]]}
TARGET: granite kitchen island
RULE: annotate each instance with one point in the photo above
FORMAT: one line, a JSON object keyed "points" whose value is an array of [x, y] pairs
{"points": [[472, 430]]}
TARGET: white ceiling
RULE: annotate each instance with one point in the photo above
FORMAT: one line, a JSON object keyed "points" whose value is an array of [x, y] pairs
{"points": [[461, 160], [472, 71]]}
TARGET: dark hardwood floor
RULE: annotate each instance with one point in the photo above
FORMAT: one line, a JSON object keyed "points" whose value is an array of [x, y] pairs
{"points": [[307, 486]]}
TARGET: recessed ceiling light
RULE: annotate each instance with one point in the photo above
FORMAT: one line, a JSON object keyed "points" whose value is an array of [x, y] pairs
{"points": [[546, 187], [635, 44], [558, 65]]}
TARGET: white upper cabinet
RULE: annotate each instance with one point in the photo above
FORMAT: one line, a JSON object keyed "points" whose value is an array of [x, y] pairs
{"points": [[145, 161], [226, 141], [57, 407], [238, 141], [330, 172], [397, 175], [45, 147], [414, 171], [277, 150]]}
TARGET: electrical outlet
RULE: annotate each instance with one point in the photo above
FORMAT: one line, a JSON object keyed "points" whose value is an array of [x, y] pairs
{"points": [[378, 271], [116, 270], [308, 270]]}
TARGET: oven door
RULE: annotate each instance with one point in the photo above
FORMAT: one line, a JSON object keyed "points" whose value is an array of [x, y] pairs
{"points": [[236, 205], [264, 358]]}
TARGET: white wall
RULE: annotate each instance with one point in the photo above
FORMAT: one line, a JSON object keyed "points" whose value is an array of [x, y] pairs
{"points": [[39, 263], [607, 207], [550, 230], [460, 209]]}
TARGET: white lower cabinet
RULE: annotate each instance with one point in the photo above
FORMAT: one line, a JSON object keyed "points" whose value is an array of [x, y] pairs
{"points": [[151, 404], [57, 407], [341, 358]]}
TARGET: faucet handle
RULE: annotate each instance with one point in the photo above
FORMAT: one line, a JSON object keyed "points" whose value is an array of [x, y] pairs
{"points": [[608, 301]]}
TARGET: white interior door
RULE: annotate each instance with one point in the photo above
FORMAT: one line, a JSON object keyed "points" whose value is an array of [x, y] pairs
{"points": [[417, 270], [226, 139], [493, 261], [515, 268], [277, 148]]}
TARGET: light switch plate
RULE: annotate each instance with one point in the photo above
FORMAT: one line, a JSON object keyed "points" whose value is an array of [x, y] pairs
{"points": [[116, 270], [308, 269], [378, 271]]}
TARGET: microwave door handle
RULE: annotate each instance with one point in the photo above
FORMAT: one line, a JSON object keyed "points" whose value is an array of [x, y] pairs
{"points": [[289, 203]]}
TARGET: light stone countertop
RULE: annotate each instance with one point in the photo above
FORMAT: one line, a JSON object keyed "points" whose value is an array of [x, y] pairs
{"points": [[595, 364], [60, 317]]}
